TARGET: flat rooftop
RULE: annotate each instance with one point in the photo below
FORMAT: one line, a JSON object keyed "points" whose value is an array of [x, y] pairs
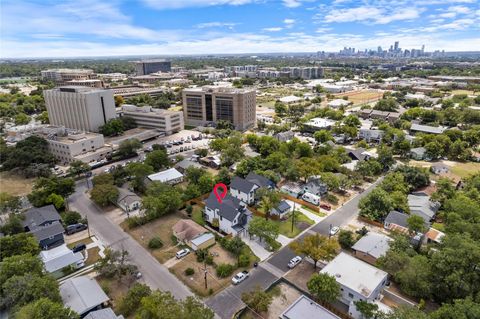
{"points": [[218, 89], [305, 308], [355, 274]]}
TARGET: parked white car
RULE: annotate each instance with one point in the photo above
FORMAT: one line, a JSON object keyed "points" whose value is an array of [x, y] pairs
{"points": [[238, 278], [334, 230], [182, 253], [294, 262]]}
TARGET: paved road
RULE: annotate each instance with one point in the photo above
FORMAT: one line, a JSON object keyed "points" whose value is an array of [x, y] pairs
{"points": [[154, 274], [276, 266]]}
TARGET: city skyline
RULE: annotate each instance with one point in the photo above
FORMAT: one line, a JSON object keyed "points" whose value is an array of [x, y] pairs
{"points": [[195, 27]]}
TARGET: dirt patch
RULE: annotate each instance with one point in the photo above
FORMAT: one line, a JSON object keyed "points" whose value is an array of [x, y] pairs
{"points": [[302, 225], [301, 274], [115, 290], [93, 256], [361, 97], [15, 185], [196, 282], [162, 228]]}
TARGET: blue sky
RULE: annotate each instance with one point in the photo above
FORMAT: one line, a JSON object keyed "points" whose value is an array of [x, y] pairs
{"points": [[47, 28]]}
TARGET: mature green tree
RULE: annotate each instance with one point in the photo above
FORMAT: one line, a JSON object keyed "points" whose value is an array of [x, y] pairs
{"points": [[18, 244], [116, 264], [45, 309], [460, 309], [385, 156], [129, 147], [103, 178], [376, 205], [345, 239], [369, 168], [223, 176], [13, 225], [104, 194], [269, 199], [416, 224], [264, 229], [388, 104], [19, 265], [71, 217], [78, 167], [367, 309], [161, 199], [130, 303], [415, 278], [323, 136], [433, 150], [351, 120], [158, 160], [162, 305], [112, 128], [18, 291], [316, 247], [324, 287], [139, 171], [415, 177], [193, 174], [9, 203], [44, 187], [206, 183], [257, 299]]}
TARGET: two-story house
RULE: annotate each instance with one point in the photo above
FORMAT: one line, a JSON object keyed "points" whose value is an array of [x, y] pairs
{"points": [[315, 186], [243, 190], [357, 279], [44, 224], [260, 181], [231, 214]]}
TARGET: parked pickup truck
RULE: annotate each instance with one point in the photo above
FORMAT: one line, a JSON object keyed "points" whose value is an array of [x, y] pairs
{"points": [[238, 278]]}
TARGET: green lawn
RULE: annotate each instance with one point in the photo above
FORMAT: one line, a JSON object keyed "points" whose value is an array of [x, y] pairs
{"points": [[286, 225], [313, 212], [197, 216], [463, 170], [439, 226]]}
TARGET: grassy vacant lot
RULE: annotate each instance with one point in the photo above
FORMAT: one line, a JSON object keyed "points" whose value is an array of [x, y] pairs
{"points": [[115, 289], [313, 211], [93, 256], [361, 97], [457, 92], [197, 215], [301, 223], [15, 185], [463, 170], [162, 228]]}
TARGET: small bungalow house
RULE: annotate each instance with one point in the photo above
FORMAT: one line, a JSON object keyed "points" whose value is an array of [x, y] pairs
{"points": [[439, 169], [231, 215], [396, 221], [315, 186], [60, 257], [186, 163], [282, 209], [127, 200], [83, 295], [359, 154], [192, 234], [371, 247], [284, 136], [420, 204], [243, 190], [44, 223], [418, 153], [292, 189], [211, 161], [106, 313]]}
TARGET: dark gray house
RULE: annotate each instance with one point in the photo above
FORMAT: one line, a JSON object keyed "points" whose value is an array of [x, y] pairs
{"points": [[315, 186], [45, 224], [260, 180]]}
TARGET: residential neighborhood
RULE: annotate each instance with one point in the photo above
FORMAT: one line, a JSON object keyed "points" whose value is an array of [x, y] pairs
{"points": [[320, 184]]}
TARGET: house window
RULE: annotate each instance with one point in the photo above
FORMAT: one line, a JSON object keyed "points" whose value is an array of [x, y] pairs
{"points": [[350, 295], [221, 218]]}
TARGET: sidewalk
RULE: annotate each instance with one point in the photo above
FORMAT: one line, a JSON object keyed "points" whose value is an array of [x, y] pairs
{"points": [[257, 248]]}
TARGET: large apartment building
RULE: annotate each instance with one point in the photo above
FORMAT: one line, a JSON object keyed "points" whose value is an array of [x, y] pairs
{"points": [[152, 66], [82, 77], [146, 116], [68, 145], [209, 104], [79, 108]]}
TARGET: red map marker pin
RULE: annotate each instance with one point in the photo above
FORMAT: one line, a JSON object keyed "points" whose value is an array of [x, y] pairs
{"points": [[221, 195]]}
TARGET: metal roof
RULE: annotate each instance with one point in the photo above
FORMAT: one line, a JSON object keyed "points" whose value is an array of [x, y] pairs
{"points": [[166, 175], [304, 307], [82, 294], [373, 244], [59, 257]]}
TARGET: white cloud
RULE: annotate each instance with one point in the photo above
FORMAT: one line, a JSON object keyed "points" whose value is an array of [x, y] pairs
{"points": [[178, 4], [402, 14], [322, 30], [292, 3], [375, 15], [289, 21], [229, 25], [273, 29]]}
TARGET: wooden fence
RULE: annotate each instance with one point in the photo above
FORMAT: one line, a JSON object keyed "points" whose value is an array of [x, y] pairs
{"points": [[369, 221]]}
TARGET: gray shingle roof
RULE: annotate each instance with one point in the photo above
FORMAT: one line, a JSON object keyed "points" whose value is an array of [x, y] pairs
{"points": [[373, 244], [229, 208], [283, 206], [259, 180], [127, 196], [428, 128], [106, 313], [242, 185], [420, 204], [48, 231], [397, 218], [39, 215]]}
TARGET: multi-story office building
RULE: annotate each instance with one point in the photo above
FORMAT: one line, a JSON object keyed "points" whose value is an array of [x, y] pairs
{"points": [[166, 121], [152, 66], [306, 73], [209, 104], [69, 145], [79, 108], [65, 76]]}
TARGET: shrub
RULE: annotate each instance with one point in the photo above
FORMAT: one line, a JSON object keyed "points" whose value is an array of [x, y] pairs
{"points": [[209, 259], [189, 271], [225, 270], [274, 245], [345, 239], [189, 209], [331, 199], [71, 217], [243, 260], [155, 243], [174, 240], [210, 291]]}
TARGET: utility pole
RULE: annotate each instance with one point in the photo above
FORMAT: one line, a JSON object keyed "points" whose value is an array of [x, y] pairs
{"points": [[293, 216], [205, 271]]}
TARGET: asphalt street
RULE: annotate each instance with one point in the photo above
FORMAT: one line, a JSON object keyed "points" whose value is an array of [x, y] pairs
{"points": [[154, 274], [228, 302]]}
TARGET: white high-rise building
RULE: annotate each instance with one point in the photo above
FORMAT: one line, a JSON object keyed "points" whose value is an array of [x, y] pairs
{"points": [[79, 108]]}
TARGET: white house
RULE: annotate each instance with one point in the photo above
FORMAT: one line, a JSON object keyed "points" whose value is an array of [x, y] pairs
{"points": [[232, 214], [243, 190], [370, 135], [358, 280], [170, 176], [60, 257]]}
